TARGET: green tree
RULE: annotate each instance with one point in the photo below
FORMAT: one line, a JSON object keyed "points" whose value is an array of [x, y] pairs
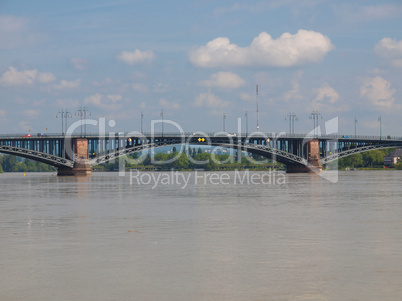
{"points": [[147, 160], [206, 158], [225, 158], [211, 165], [136, 155], [398, 165], [9, 163], [160, 157], [355, 160], [181, 162], [373, 158]]}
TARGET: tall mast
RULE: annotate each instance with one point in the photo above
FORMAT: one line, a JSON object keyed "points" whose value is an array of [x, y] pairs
{"points": [[256, 97]]}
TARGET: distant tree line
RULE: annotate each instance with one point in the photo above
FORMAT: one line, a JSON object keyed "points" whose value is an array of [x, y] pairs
{"points": [[188, 160], [370, 159], [9, 163]]}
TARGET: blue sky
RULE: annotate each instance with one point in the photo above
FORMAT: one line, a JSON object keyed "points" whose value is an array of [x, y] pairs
{"points": [[197, 60]]}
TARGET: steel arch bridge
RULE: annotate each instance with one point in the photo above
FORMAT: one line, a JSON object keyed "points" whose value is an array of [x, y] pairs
{"points": [[262, 150], [296, 150]]}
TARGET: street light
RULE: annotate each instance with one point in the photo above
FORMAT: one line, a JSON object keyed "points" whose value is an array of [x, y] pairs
{"points": [[355, 127], [82, 112], [142, 117], [162, 121], [314, 115], [379, 119], [224, 119], [63, 114], [292, 117], [246, 115]]}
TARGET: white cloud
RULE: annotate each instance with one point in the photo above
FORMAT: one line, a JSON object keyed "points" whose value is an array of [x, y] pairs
{"points": [[294, 92], [15, 32], [390, 49], [31, 113], [378, 92], [114, 98], [78, 63], [140, 87], [136, 56], [287, 50], [161, 88], [109, 102], [45, 78], [11, 23], [226, 80], [106, 82], [67, 102], [211, 101], [39, 103], [169, 104], [325, 94], [13, 77], [67, 85], [327, 99], [246, 97]]}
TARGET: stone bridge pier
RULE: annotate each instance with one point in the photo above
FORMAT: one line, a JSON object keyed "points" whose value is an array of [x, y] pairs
{"points": [[81, 163], [313, 159]]}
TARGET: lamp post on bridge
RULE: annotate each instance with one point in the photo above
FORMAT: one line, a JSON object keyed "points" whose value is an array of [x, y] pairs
{"points": [[162, 121], [292, 117], [379, 119], [246, 115], [82, 112], [142, 117], [355, 127], [314, 115], [64, 114]]}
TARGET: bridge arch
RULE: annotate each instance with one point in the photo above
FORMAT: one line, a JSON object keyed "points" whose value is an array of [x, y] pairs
{"points": [[262, 150], [53, 160], [356, 150]]}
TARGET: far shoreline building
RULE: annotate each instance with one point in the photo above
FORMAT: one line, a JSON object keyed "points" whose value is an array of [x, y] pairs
{"points": [[393, 157]]}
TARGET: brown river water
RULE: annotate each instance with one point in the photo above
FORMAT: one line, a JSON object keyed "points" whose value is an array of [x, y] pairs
{"points": [[221, 236]]}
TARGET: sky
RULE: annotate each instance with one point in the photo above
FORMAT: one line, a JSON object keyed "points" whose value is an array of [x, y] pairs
{"points": [[200, 60]]}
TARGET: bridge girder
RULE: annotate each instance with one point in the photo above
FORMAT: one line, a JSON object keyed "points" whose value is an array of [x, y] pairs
{"points": [[357, 150], [53, 160]]}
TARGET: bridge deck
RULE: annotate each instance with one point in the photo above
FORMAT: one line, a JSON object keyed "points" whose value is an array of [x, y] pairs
{"points": [[285, 148]]}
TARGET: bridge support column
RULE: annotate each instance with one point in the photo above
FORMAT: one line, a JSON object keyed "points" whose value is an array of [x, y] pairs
{"points": [[81, 164], [314, 163]]}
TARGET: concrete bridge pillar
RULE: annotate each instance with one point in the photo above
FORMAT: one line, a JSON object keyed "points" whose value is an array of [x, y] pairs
{"points": [[313, 159], [81, 164]]}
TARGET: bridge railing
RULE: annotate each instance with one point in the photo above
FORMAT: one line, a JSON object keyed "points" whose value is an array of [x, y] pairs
{"points": [[271, 135]]}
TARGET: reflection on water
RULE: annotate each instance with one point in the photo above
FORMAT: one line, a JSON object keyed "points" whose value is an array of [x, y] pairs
{"points": [[100, 238]]}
